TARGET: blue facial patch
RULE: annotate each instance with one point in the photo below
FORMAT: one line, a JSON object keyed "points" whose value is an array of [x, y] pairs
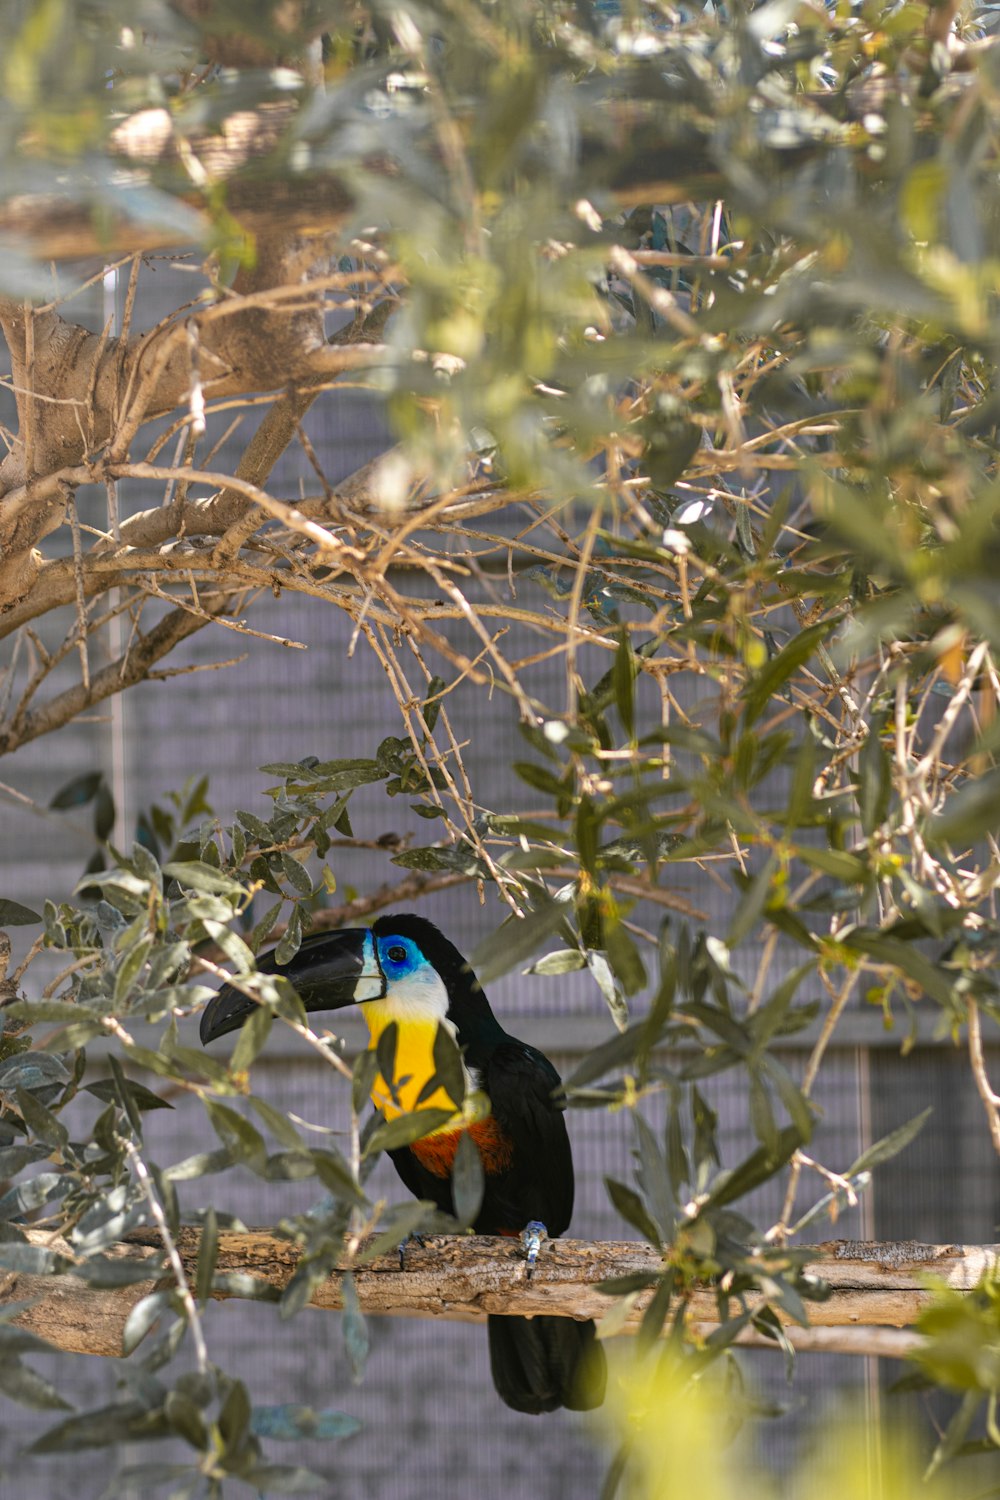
{"points": [[399, 957]]}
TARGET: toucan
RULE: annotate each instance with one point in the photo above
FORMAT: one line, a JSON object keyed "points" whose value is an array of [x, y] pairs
{"points": [[404, 970]]}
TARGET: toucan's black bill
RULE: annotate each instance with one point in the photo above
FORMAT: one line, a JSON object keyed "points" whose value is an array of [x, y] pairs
{"points": [[330, 970]]}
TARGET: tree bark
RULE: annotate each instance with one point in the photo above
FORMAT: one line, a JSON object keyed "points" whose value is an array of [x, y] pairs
{"points": [[79, 393], [876, 1290]]}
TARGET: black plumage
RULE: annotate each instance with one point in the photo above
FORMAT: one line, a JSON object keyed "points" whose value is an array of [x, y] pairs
{"points": [[538, 1364], [541, 1363]]}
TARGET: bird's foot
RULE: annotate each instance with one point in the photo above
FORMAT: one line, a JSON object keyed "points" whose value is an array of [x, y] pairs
{"points": [[414, 1234], [532, 1236]]}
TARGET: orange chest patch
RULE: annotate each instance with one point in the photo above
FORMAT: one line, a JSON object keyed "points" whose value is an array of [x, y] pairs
{"points": [[437, 1152]]}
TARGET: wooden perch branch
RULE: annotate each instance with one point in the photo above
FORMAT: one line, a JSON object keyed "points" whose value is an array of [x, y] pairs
{"points": [[876, 1289]]}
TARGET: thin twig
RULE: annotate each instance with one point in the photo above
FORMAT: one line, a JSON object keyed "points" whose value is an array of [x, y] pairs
{"points": [[991, 1100], [173, 1254]]}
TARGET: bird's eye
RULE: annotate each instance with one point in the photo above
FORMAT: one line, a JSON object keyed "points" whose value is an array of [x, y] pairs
{"points": [[397, 953]]}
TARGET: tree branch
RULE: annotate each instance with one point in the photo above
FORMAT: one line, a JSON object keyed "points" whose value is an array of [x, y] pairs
{"points": [[142, 654], [876, 1289]]}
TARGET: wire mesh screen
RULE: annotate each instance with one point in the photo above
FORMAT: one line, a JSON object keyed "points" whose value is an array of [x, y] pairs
{"points": [[431, 1421], [432, 1424]]}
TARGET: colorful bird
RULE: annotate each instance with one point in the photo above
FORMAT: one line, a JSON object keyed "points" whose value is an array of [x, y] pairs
{"points": [[404, 971]]}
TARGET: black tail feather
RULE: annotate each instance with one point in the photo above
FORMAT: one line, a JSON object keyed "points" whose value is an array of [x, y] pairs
{"points": [[539, 1364]]}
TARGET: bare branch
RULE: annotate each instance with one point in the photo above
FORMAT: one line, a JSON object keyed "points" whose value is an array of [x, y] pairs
{"points": [[991, 1100], [133, 667], [876, 1289]]}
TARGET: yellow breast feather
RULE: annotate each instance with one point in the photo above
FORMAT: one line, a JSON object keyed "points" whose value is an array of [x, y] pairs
{"points": [[414, 1069]]}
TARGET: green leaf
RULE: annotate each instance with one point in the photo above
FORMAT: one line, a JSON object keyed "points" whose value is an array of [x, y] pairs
{"points": [[624, 958], [45, 1010], [801, 802], [364, 1071], [336, 1176], [32, 1260], [27, 1387], [345, 781], [612, 1324], [399, 1224], [292, 1424], [800, 1111], [184, 1419], [779, 669], [201, 1164], [623, 675], [385, 1052], [432, 703], [517, 940], [129, 970], [705, 1119], [283, 1479], [969, 814], [98, 1428], [237, 1134], [633, 1210], [277, 1123], [620, 1286], [762, 1119], [836, 862], [874, 778], [291, 941], [562, 961], [235, 949], [256, 828], [448, 1067], [756, 1168], [771, 1018], [755, 894], [143, 1317], [198, 876], [460, 859], [356, 1340], [14, 1159], [833, 1203], [41, 1121], [405, 1129], [296, 874], [31, 1070], [104, 1271], [142, 1097], [467, 1180], [79, 791], [235, 1415], [956, 1432], [31, 1193], [904, 956], [539, 778], [607, 982], [260, 932], [124, 1096], [252, 1037], [655, 1315], [890, 1145], [617, 1052], [208, 1251], [659, 1184], [104, 812], [13, 914]]}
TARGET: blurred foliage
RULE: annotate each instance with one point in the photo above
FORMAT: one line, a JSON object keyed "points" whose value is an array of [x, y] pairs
{"points": [[665, 1414], [696, 313]]}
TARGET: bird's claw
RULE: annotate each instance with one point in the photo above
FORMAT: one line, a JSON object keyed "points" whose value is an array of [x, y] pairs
{"points": [[532, 1236], [414, 1234]]}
